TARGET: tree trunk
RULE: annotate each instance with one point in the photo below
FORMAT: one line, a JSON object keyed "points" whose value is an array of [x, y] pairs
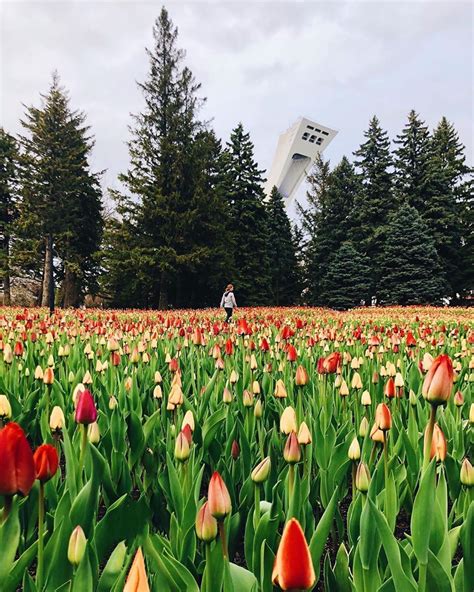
{"points": [[47, 292], [163, 300], [70, 289], [6, 272]]}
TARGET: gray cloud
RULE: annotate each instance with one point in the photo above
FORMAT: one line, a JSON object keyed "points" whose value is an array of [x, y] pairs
{"points": [[259, 62]]}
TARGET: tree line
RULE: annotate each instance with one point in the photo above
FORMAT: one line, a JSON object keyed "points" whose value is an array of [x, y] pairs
{"points": [[190, 215]]}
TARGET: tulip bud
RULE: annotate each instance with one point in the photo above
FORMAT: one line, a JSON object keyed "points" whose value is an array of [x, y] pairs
{"points": [[93, 432], [280, 389], [206, 524], [218, 495], [383, 417], [467, 473], [182, 449], [365, 399], [301, 376], [471, 414], [438, 444], [48, 376], [258, 409], [376, 434], [261, 471], [56, 419], [112, 402], [86, 411], [87, 378], [364, 427], [234, 377], [235, 450], [438, 381], [292, 452], [304, 435], [412, 398], [227, 396], [247, 398], [137, 580], [459, 399], [46, 462], [288, 421], [5, 407], [354, 450], [38, 373], [356, 381], [188, 420], [77, 546], [344, 390], [362, 479]]}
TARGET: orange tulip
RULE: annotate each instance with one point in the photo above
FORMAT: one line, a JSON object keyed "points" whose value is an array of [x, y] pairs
{"points": [[137, 580], [383, 417], [301, 377], [439, 381], [438, 444], [293, 568]]}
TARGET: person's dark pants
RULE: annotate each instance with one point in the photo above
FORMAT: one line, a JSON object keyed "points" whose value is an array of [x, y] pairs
{"points": [[228, 312]]}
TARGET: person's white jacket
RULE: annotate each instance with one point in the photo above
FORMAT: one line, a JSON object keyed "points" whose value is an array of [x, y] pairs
{"points": [[228, 300]]}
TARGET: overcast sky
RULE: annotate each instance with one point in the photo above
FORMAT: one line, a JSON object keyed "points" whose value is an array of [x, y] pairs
{"points": [[262, 63]]}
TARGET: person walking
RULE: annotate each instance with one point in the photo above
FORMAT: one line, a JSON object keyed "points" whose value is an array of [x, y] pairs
{"points": [[228, 302]]}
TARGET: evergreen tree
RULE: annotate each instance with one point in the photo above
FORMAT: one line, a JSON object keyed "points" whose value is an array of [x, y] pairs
{"points": [[170, 200], [8, 195], [347, 280], [447, 209], [375, 201], [411, 272], [249, 232], [327, 220], [283, 262], [413, 163], [61, 197]]}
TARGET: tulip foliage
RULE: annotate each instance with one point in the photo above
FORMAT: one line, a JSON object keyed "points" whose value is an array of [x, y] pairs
{"points": [[294, 449]]}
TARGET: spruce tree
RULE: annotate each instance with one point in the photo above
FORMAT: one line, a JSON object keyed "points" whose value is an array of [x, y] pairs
{"points": [[249, 227], [284, 269], [327, 220], [346, 282], [447, 209], [8, 198], [60, 197], [375, 201], [411, 271], [413, 163], [177, 217]]}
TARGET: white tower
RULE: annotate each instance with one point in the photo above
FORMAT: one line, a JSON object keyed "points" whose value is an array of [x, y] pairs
{"points": [[295, 154]]}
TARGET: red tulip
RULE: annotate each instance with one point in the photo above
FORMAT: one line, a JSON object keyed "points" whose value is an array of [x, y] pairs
{"points": [[390, 388], [86, 411], [332, 362], [46, 462], [218, 495], [438, 382], [291, 354], [292, 451], [411, 341], [320, 366], [293, 567], [17, 467]]}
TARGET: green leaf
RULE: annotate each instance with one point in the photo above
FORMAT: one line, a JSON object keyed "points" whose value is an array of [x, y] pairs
{"points": [[436, 577], [401, 581], [421, 517], [112, 568], [320, 535], [242, 579], [9, 541], [467, 543]]}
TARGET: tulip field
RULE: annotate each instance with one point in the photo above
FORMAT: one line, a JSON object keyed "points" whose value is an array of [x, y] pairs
{"points": [[292, 449]]}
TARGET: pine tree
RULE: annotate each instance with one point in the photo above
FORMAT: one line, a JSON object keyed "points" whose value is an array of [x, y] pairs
{"points": [[60, 197], [327, 220], [8, 197], [411, 271], [446, 210], [375, 201], [249, 232], [175, 212], [283, 262], [347, 280], [413, 163]]}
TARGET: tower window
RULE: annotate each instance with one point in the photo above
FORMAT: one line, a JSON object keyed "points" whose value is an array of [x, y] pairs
{"points": [[305, 136]]}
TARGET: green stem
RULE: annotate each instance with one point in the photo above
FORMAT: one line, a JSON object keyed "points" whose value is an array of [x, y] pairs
{"points": [[208, 568], [422, 577], [83, 449], [7, 506], [257, 506], [353, 479], [299, 404], [385, 458], [429, 438], [39, 568], [291, 482], [222, 536]]}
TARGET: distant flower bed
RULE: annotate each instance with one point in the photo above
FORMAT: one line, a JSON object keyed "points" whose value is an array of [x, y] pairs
{"points": [[293, 449]]}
